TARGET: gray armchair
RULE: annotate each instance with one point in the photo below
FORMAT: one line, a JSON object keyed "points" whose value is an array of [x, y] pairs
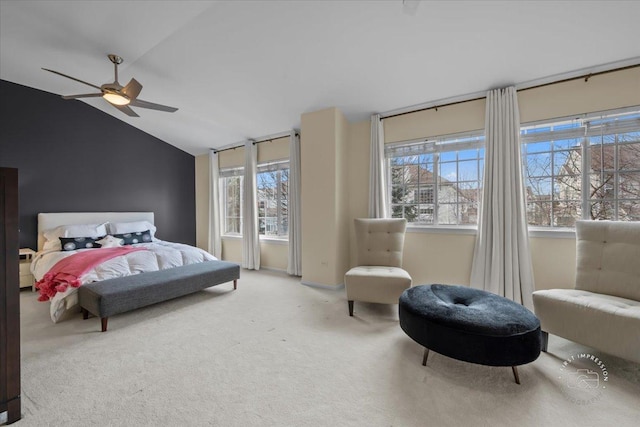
{"points": [[379, 276]]}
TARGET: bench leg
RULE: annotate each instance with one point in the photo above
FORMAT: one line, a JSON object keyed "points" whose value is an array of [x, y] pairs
{"points": [[545, 340], [235, 284], [104, 323], [85, 313], [515, 374]]}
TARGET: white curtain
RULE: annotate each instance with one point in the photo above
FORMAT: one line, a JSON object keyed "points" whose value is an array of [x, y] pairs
{"points": [[214, 241], [250, 239], [502, 260], [377, 183], [294, 266]]}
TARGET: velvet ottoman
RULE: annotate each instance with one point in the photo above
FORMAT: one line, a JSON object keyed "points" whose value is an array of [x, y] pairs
{"points": [[470, 325]]}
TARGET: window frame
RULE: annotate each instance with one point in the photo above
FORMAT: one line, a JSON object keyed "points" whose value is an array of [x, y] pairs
{"points": [[435, 147], [584, 131], [438, 145], [278, 166], [223, 176]]}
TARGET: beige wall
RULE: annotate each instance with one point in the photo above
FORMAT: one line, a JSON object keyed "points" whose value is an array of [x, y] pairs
{"points": [[358, 186], [276, 149], [443, 121], [599, 93], [202, 201], [325, 209], [273, 255], [341, 258], [335, 173]]}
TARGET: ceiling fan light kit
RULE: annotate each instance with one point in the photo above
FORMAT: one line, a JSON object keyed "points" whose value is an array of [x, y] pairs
{"points": [[121, 97], [116, 99]]}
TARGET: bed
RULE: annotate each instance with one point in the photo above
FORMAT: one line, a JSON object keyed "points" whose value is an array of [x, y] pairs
{"points": [[61, 235]]}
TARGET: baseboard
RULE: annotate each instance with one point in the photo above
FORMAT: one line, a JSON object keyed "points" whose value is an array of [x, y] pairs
{"points": [[322, 285], [275, 270]]}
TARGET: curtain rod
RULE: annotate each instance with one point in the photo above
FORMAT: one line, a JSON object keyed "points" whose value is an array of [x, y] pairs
{"points": [[254, 142], [586, 78]]}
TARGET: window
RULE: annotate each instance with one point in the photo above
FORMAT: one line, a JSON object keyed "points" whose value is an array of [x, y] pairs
{"points": [[273, 195], [231, 184], [583, 168], [437, 181]]}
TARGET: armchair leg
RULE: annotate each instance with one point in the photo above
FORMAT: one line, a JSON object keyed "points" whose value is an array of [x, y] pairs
{"points": [[350, 308], [545, 340]]}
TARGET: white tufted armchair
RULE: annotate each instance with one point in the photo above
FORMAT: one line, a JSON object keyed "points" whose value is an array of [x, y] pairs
{"points": [[603, 310], [379, 276]]}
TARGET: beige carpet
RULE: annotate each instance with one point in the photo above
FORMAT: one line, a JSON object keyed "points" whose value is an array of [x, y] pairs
{"points": [[277, 353]]}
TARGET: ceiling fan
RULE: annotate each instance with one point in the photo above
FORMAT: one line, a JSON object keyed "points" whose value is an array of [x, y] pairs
{"points": [[121, 97]]}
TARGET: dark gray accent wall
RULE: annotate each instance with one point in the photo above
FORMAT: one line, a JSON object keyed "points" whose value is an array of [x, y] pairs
{"points": [[72, 157]]}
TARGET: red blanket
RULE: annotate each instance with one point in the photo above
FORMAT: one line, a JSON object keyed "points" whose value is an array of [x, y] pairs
{"points": [[67, 271]]}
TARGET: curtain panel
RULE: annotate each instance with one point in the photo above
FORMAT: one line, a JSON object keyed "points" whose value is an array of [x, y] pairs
{"points": [[378, 207], [215, 215], [250, 239], [502, 259], [294, 265]]}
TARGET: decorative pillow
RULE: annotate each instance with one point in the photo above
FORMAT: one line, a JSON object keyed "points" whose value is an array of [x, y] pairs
{"points": [[131, 227], [110, 242], [135, 237], [75, 243], [76, 230]]}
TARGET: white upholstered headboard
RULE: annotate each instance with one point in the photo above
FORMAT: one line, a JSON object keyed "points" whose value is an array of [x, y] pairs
{"points": [[47, 221]]}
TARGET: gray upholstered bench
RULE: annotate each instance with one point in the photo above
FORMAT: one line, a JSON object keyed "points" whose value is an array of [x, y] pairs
{"points": [[115, 296]]}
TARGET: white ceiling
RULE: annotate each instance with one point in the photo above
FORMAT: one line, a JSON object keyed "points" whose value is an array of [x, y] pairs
{"points": [[247, 69]]}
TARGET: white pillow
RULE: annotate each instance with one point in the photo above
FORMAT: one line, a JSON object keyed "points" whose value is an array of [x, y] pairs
{"points": [[110, 242], [131, 227], [52, 245], [52, 237]]}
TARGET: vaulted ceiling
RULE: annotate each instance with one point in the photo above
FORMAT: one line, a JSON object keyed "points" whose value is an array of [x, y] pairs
{"points": [[247, 69]]}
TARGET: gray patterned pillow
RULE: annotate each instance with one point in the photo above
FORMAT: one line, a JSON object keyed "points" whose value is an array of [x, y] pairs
{"points": [[135, 237], [75, 243]]}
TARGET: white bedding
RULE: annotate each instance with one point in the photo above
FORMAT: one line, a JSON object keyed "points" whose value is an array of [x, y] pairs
{"points": [[159, 255]]}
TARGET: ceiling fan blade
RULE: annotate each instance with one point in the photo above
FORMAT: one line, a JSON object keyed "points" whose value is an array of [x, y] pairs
{"points": [[126, 109], [132, 89], [84, 95], [145, 104], [72, 78]]}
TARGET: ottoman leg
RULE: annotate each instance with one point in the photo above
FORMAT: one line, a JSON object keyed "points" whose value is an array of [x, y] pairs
{"points": [[85, 313], [350, 308], [545, 340], [425, 356], [515, 374], [104, 321]]}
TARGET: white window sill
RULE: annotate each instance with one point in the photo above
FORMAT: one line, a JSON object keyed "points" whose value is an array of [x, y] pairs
{"points": [[231, 237], [555, 233], [268, 240], [274, 240], [442, 229]]}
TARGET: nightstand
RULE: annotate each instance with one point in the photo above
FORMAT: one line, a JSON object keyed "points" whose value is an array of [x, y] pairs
{"points": [[26, 278]]}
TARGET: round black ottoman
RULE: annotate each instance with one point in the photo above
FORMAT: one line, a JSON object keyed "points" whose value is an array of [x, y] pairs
{"points": [[470, 325]]}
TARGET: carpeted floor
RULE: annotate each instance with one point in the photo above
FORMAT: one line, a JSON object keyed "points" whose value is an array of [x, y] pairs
{"points": [[277, 353]]}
